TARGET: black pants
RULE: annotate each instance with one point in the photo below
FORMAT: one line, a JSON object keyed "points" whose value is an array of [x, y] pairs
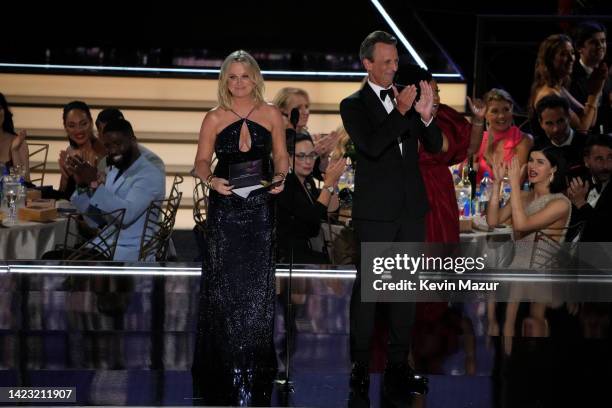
{"points": [[400, 314]]}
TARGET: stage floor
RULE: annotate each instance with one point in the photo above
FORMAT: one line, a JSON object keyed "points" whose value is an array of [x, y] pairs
{"points": [[129, 340]]}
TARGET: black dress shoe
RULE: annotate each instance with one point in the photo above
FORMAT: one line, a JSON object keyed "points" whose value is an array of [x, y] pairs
{"points": [[360, 379], [400, 382]]}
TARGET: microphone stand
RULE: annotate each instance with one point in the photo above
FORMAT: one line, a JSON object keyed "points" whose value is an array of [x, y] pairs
{"points": [[286, 383]]}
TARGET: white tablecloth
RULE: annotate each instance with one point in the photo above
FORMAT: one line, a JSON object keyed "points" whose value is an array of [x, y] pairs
{"points": [[497, 245], [29, 240]]}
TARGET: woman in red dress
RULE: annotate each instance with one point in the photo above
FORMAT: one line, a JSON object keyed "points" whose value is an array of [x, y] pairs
{"points": [[461, 139]]}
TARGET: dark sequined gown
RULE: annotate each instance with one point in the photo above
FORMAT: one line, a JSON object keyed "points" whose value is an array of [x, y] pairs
{"points": [[235, 362]]}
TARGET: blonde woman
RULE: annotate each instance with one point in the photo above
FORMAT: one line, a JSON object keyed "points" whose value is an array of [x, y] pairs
{"points": [[502, 140], [234, 351]]}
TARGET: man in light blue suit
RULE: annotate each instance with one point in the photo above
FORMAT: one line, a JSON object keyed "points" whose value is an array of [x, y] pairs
{"points": [[132, 182]]}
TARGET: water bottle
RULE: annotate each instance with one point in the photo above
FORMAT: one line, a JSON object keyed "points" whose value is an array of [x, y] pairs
{"points": [[463, 193], [346, 179], [456, 177], [21, 192], [3, 175], [525, 186], [2, 167], [505, 193], [485, 190], [476, 210]]}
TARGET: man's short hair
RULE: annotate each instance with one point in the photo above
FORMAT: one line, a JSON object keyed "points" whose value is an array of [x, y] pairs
{"points": [[551, 102], [108, 115], [586, 30], [597, 140], [366, 50], [121, 126]]}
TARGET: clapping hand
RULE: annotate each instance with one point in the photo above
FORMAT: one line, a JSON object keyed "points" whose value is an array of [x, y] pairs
{"points": [[597, 79], [324, 144], [63, 156], [577, 191], [405, 99], [424, 105], [83, 172], [499, 171], [515, 171], [334, 171]]}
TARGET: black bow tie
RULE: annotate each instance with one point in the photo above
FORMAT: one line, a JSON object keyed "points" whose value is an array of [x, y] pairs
{"points": [[598, 187], [386, 92]]}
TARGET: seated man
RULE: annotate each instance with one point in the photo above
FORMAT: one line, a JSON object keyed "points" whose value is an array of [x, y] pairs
{"points": [[590, 43], [110, 114], [132, 182], [592, 198], [554, 117]]}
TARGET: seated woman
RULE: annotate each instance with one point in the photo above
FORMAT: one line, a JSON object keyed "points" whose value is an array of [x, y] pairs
{"points": [[542, 208], [306, 202], [13, 148], [78, 124], [502, 140], [553, 70], [290, 98]]}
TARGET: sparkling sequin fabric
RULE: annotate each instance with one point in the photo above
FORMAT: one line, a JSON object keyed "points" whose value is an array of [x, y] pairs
{"points": [[234, 361]]}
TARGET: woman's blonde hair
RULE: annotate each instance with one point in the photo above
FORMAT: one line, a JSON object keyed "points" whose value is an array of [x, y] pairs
{"points": [[499, 95], [281, 100], [343, 139], [224, 96]]}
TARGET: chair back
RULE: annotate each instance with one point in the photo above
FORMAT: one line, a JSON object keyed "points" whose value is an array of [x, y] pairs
{"points": [[38, 153], [549, 253], [99, 247], [159, 223], [200, 202]]}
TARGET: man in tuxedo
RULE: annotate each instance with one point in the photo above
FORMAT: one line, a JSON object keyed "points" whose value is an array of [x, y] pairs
{"points": [[592, 199], [590, 44], [389, 202], [554, 117]]}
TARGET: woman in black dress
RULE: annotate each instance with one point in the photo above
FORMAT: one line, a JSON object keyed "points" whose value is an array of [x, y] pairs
{"points": [[234, 361], [306, 203]]}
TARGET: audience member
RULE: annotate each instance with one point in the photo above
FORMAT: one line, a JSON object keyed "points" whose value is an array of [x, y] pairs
{"points": [[553, 70], [78, 124], [554, 116], [592, 198], [502, 140], [131, 183], [13, 148], [590, 44]]}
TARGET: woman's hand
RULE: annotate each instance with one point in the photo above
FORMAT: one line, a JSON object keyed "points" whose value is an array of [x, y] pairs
{"points": [[18, 141], [499, 171], [221, 186], [324, 144], [478, 108], [515, 171], [597, 79], [63, 156], [334, 171], [280, 187]]}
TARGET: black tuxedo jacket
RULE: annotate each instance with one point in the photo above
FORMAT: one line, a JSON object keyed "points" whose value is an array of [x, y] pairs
{"points": [[387, 182], [573, 154], [578, 89], [598, 220]]}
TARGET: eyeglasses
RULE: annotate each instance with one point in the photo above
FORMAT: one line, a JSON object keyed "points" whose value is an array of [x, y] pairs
{"points": [[304, 156]]}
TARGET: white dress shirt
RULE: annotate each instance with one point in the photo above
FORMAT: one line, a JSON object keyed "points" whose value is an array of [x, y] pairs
{"points": [[389, 104]]}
